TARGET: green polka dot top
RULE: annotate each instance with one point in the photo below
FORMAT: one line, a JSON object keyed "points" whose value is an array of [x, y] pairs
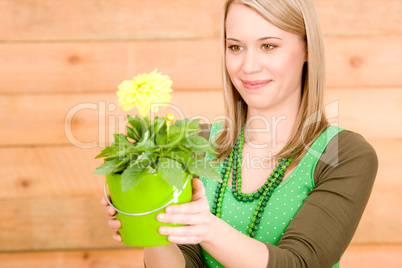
{"points": [[284, 203]]}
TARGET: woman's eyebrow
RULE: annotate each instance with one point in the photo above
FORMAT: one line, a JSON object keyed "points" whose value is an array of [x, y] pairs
{"points": [[259, 39]]}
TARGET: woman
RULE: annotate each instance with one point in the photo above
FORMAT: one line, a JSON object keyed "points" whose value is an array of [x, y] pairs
{"points": [[304, 211]]}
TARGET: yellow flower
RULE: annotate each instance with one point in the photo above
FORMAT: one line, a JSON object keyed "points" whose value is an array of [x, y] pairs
{"points": [[144, 90], [169, 117]]}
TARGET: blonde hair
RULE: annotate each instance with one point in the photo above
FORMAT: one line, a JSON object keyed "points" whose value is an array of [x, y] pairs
{"points": [[298, 17]]}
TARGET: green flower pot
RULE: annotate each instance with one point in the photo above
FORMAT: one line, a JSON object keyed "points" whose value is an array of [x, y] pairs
{"points": [[137, 208]]}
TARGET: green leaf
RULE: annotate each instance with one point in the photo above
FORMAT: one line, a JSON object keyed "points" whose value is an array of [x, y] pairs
{"points": [[121, 163], [132, 176], [194, 123], [157, 125], [136, 123], [105, 168], [171, 171], [204, 168], [196, 143], [182, 157], [161, 135], [146, 159], [148, 145], [109, 150]]}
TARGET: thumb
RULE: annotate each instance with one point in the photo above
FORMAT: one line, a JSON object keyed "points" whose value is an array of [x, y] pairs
{"points": [[198, 189]]}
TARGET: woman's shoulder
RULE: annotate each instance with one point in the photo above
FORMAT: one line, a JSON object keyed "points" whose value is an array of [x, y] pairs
{"points": [[352, 144], [347, 152]]}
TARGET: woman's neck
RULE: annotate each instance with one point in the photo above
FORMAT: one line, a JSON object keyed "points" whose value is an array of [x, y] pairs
{"points": [[271, 128]]}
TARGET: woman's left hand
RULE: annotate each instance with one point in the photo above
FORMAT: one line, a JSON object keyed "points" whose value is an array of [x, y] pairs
{"points": [[195, 215]]}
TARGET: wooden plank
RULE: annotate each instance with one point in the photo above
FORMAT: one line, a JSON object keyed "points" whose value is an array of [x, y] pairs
{"points": [[24, 20], [357, 61], [372, 256], [56, 223], [368, 256], [192, 65], [379, 218], [49, 172], [117, 258], [88, 120], [132, 258], [67, 170], [100, 67], [360, 17], [370, 112], [84, 120]]}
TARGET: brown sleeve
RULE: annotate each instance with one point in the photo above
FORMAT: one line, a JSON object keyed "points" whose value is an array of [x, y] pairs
{"points": [[324, 226]]}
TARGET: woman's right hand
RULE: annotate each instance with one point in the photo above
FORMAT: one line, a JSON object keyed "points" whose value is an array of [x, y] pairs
{"points": [[113, 223]]}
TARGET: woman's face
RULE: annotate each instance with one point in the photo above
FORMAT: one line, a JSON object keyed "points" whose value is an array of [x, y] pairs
{"points": [[264, 62]]}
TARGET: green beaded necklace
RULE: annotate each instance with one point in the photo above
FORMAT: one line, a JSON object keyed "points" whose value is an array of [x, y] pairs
{"points": [[263, 194]]}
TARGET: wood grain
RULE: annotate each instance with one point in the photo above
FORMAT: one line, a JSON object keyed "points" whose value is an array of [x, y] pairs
{"points": [[114, 258], [372, 256], [192, 64], [87, 120], [56, 223], [24, 20], [101, 67], [368, 256]]}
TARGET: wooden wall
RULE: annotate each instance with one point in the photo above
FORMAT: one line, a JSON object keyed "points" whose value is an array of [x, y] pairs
{"points": [[60, 63]]}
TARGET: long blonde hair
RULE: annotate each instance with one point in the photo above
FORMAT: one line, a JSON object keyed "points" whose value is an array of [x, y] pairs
{"points": [[298, 17]]}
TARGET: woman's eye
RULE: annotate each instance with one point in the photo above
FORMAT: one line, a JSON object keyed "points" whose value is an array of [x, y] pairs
{"points": [[235, 48], [268, 47]]}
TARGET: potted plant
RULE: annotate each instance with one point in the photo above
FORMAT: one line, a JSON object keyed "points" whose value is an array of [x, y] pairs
{"points": [[152, 165]]}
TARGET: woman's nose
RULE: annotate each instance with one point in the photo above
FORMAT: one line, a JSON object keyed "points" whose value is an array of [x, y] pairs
{"points": [[251, 62]]}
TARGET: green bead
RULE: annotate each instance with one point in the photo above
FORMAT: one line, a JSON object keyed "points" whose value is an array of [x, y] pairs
{"points": [[255, 213], [219, 205], [249, 231], [252, 234], [218, 215], [219, 210], [251, 225], [253, 219]]}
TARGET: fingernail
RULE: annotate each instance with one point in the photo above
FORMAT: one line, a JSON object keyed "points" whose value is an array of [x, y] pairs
{"points": [[162, 230], [160, 217]]}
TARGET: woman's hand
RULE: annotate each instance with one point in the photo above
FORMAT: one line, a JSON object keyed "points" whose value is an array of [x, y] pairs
{"points": [[113, 223], [194, 214]]}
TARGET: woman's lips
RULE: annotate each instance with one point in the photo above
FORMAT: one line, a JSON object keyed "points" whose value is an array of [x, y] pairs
{"points": [[257, 84]]}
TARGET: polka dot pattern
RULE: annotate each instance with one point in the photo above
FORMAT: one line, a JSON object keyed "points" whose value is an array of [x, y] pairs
{"points": [[284, 203]]}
